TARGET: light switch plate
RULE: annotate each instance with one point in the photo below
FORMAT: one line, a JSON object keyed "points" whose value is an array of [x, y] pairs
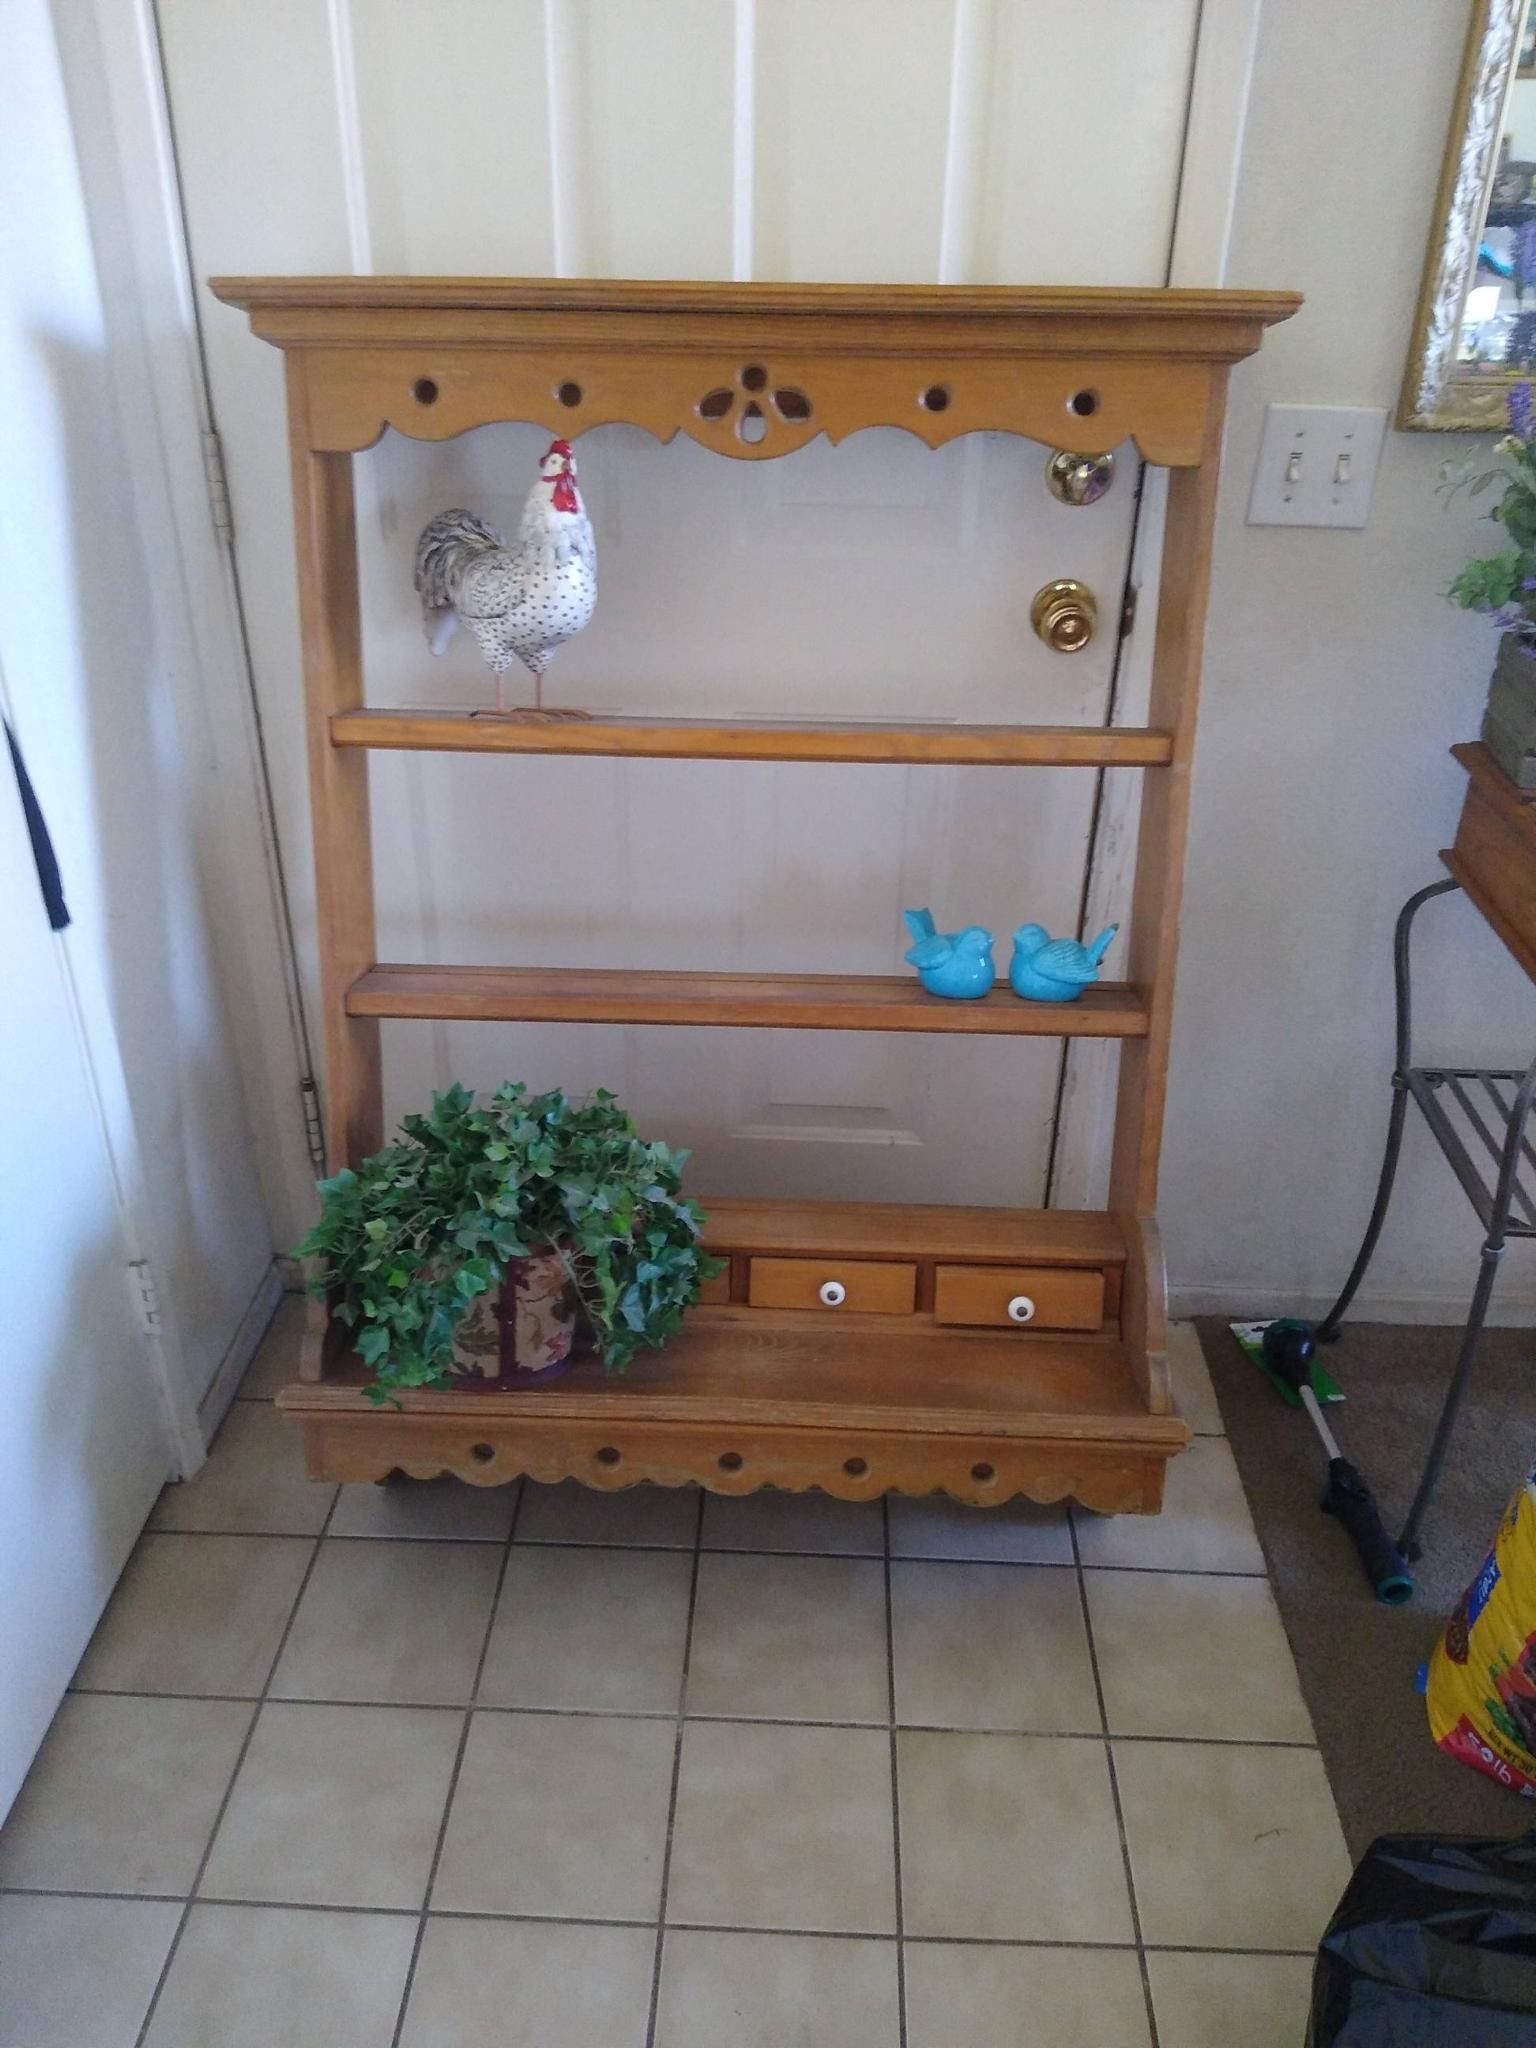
{"points": [[1317, 465]]}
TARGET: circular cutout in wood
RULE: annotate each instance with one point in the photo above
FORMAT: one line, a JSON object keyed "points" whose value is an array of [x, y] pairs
{"points": [[1083, 403], [855, 1467], [569, 393], [482, 1453], [730, 1461], [984, 1474], [754, 378], [424, 391], [608, 1455], [935, 398]]}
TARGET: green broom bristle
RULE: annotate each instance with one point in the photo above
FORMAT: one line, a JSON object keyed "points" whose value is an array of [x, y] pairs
{"points": [[1250, 1341]]}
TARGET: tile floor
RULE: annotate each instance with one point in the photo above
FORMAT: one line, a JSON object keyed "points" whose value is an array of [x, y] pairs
{"points": [[398, 1767]]}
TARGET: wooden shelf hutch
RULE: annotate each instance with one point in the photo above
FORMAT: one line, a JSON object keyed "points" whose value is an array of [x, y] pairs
{"points": [[918, 1378]]}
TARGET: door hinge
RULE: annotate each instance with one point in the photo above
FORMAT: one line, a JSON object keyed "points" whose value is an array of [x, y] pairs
{"points": [[314, 1123], [1128, 610], [146, 1296], [218, 486]]}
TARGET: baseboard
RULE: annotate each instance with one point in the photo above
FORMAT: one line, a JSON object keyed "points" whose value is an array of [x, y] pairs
{"points": [[1511, 1312], [241, 1349]]}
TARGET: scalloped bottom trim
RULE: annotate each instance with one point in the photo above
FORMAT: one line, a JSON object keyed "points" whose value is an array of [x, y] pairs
{"points": [[851, 1465]]}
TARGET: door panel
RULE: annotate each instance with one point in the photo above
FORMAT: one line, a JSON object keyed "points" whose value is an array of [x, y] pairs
{"points": [[880, 579], [453, 168], [1081, 154], [852, 117]]}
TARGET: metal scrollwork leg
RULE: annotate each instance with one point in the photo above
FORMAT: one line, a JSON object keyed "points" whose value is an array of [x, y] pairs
{"points": [[1328, 1328], [1488, 1266]]}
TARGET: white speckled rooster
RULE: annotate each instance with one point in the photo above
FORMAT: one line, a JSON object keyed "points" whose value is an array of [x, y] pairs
{"points": [[523, 601]]}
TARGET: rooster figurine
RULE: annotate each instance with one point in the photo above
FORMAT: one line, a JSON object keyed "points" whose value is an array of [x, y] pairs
{"points": [[522, 601]]}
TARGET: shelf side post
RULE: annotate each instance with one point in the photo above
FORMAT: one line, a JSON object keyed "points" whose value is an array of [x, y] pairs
{"points": [[1152, 952], [331, 629]]}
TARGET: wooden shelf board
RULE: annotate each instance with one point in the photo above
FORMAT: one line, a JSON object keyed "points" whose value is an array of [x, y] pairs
{"points": [[896, 1230], [1500, 789], [819, 1002], [1513, 940], [1058, 746], [783, 1369]]}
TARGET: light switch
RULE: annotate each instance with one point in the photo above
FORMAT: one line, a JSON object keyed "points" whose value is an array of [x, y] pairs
{"points": [[1317, 465]]}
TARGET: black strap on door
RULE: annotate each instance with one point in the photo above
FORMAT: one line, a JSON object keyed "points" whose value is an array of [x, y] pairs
{"points": [[49, 880]]}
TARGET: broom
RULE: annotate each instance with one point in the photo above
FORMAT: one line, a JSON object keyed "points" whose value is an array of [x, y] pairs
{"points": [[1288, 1356]]}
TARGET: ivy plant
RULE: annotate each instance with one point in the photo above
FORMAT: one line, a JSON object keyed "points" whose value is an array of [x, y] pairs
{"points": [[407, 1241], [1503, 585]]}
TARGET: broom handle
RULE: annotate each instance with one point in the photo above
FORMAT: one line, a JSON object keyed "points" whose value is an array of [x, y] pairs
{"points": [[1309, 1401]]}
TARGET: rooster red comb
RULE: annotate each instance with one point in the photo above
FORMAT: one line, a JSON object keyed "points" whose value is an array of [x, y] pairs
{"points": [[561, 448]]}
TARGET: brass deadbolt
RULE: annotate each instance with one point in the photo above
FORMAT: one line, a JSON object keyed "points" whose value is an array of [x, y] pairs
{"points": [[1064, 615]]}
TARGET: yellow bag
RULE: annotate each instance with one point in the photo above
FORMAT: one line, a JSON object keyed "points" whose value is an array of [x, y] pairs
{"points": [[1482, 1677]]}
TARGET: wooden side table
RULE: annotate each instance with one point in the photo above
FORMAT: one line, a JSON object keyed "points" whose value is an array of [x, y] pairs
{"points": [[1477, 1115]]}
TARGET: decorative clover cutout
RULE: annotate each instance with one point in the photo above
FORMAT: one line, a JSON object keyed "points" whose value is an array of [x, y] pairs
{"points": [[752, 404]]}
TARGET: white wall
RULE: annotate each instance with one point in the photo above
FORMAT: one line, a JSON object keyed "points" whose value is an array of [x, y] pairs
{"points": [[1337, 678]]}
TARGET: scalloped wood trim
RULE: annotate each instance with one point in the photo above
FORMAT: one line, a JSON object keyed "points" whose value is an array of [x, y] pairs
{"points": [[849, 1464], [433, 392]]}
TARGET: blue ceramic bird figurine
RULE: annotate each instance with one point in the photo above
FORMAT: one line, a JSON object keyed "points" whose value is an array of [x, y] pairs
{"points": [[1047, 970], [955, 964]]}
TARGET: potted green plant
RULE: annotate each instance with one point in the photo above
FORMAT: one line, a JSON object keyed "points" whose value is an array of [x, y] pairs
{"points": [[1503, 586], [464, 1253]]}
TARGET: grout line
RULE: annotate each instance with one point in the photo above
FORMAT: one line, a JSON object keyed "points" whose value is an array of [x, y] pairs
{"points": [[1114, 1792], [728, 1720], [453, 1777], [111, 1692], [309, 1906], [61, 1891], [1175, 1571], [677, 1771], [248, 1535], [218, 1819], [890, 1698], [36, 1891]]}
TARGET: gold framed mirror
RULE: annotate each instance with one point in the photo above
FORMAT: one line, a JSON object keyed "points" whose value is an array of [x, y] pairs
{"points": [[1474, 333]]}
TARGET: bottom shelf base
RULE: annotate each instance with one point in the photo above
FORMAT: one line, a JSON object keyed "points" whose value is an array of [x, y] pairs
{"points": [[745, 1399]]}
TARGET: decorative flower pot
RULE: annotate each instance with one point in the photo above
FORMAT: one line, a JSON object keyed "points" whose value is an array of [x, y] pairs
{"points": [[521, 1337], [1509, 722]]}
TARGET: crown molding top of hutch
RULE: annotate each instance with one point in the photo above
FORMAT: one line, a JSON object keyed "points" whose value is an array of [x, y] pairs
{"points": [[756, 370]]}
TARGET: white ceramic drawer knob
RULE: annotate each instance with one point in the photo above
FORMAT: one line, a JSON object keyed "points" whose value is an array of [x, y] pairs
{"points": [[1021, 1309], [833, 1294]]}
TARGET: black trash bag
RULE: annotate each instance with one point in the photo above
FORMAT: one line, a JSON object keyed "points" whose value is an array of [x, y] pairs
{"points": [[1433, 1945]]}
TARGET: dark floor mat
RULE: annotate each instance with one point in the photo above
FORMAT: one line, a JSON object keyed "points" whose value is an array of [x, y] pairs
{"points": [[1358, 1659]]}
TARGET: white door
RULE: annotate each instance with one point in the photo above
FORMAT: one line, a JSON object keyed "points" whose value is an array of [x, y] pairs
{"points": [[952, 140], [83, 1452], [85, 1444]]}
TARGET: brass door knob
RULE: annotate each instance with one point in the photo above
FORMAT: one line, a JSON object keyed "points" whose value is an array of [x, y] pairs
{"points": [[1064, 615]]}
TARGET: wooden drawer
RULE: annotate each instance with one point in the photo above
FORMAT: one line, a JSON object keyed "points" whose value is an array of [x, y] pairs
{"points": [[1063, 1297], [834, 1286]]}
